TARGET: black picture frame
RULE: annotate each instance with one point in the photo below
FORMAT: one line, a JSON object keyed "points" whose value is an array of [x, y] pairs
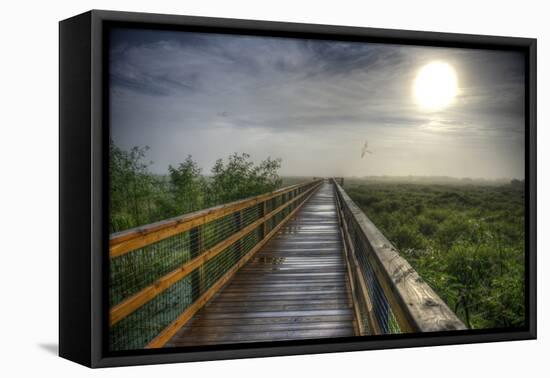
{"points": [[83, 196]]}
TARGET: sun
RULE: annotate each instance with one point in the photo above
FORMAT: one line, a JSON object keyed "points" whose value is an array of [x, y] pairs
{"points": [[435, 86]]}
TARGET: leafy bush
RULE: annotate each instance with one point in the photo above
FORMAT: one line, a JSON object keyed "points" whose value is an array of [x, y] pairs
{"points": [[451, 230], [407, 237], [139, 197], [427, 226]]}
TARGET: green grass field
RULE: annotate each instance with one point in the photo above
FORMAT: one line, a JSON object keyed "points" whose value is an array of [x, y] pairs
{"points": [[466, 239]]}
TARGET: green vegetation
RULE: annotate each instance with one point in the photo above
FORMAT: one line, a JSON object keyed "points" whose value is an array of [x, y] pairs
{"points": [[140, 197], [464, 238]]}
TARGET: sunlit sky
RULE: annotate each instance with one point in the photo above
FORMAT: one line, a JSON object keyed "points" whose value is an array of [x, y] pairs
{"points": [[314, 103]]}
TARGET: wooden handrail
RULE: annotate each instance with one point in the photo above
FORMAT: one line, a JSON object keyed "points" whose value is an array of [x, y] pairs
{"points": [[138, 237], [415, 305], [131, 304]]}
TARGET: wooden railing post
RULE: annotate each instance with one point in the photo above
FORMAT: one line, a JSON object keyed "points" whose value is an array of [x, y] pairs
{"points": [[238, 219], [264, 225], [197, 277]]}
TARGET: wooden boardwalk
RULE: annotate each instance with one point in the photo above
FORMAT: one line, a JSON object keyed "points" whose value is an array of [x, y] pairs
{"points": [[294, 288]]}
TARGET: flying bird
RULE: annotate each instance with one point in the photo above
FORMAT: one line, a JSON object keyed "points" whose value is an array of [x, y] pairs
{"points": [[364, 150]]}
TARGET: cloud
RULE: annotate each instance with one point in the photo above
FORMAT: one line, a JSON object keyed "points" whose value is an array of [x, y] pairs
{"points": [[183, 93]]}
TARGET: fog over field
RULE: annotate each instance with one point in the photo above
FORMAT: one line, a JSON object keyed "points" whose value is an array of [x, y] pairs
{"points": [[314, 103]]}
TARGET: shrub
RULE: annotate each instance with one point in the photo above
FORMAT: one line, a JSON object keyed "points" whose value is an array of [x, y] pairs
{"points": [[407, 237], [427, 226], [451, 230]]}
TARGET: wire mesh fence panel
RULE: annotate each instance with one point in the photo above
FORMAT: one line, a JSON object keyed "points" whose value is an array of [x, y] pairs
{"points": [[218, 230], [137, 329], [381, 307], [139, 268]]}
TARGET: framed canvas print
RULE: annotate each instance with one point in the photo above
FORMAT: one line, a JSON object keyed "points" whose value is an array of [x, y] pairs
{"points": [[233, 188]]}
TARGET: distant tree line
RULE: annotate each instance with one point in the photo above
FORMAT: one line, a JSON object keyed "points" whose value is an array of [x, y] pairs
{"points": [[138, 196]]}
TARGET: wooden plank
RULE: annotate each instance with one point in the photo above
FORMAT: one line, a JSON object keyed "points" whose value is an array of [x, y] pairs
{"points": [[274, 314], [129, 240], [275, 295], [416, 306], [258, 279], [302, 276], [277, 302], [204, 339], [276, 282], [295, 266], [296, 271], [278, 289], [327, 296], [236, 307], [131, 304], [234, 328], [348, 318], [283, 287], [179, 322]]}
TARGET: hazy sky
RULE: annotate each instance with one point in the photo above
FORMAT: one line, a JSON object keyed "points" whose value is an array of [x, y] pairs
{"points": [[313, 104]]}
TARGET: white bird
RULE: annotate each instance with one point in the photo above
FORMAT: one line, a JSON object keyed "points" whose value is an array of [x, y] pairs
{"points": [[364, 150]]}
